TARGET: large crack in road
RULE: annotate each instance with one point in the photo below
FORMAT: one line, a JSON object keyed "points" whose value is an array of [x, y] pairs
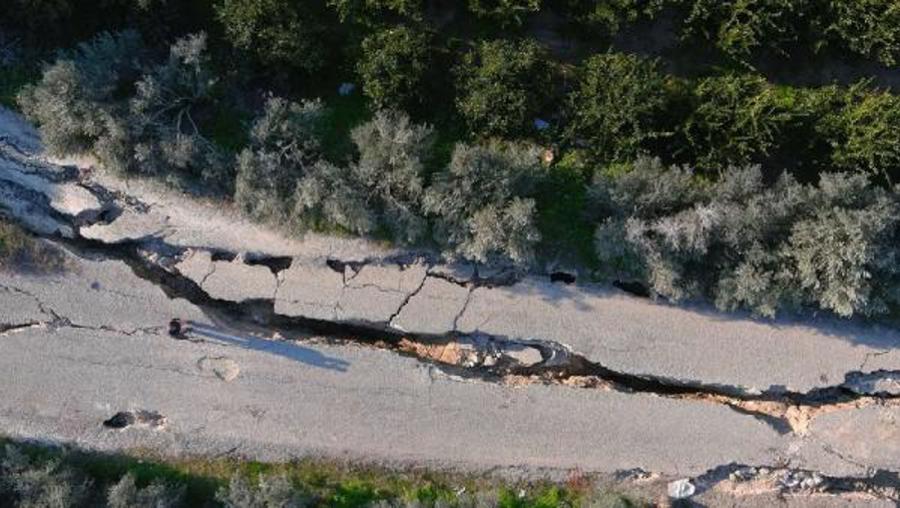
{"points": [[486, 357]]}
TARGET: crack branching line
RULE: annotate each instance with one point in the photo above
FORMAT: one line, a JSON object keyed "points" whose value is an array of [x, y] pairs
{"points": [[406, 300]]}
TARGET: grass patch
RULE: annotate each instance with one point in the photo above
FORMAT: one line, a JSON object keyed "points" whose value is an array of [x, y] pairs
{"points": [[567, 233], [328, 484], [21, 252]]}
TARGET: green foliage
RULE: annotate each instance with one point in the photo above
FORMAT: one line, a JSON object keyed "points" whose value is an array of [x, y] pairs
{"points": [[862, 126], [284, 145], [158, 494], [736, 119], [483, 203], [161, 128], [381, 190], [506, 12], [501, 86], [744, 245], [739, 28], [613, 108], [611, 15], [868, 27], [372, 11], [32, 484], [77, 100], [393, 66], [278, 32], [390, 168], [266, 492]]}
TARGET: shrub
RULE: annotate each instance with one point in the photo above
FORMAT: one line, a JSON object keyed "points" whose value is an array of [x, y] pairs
{"points": [[284, 145], [34, 484], [392, 152], [371, 11], [268, 491], [611, 15], [501, 86], [161, 125], [862, 125], [483, 204], [868, 27], [736, 119], [278, 32], [382, 189], [77, 99], [739, 28], [745, 245], [506, 12], [614, 104], [126, 494], [393, 65]]}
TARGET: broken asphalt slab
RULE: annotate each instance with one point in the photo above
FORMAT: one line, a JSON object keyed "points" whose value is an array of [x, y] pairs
{"points": [[288, 402]]}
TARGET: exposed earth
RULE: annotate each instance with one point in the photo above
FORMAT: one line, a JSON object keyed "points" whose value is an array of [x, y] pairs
{"points": [[347, 348]]}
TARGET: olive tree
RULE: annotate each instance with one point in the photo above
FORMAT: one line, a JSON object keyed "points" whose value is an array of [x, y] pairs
{"points": [[614, 105], [381, 190], [611, 15], [483, 203], [862, 126], [501, 85], [736, 119], [278, 32], [76, 102], [868, 27], [743, 244], [165, 131], [283, 146], [393, 66], [740, 28], [506, 12]]}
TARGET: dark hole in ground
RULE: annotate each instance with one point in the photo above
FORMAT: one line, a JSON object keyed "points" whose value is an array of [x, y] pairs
{"points": [[275, 263], [223, 256], [634, 288], [120, 420], [566, 278]]}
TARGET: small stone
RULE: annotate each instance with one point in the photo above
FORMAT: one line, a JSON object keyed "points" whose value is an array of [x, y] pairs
{"points": [[681, 489], [346, 89], [541, 124]]}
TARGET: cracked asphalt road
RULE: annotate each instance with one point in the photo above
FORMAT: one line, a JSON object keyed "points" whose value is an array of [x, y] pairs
{"points": [[81, 345]]}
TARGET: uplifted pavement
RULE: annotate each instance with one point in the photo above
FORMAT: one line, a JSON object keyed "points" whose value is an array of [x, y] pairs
{"points": [[90, 341]]}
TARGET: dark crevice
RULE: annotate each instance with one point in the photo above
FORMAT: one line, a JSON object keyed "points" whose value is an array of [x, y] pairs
{"points": [[632, 288], [276, 264], [564, 277]]}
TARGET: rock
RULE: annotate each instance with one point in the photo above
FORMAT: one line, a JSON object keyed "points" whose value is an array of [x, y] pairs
{"points": [[541, 124], [874, 383], [681, 489], [524, 355], [196, 265], [346, 89], [223, 367]]}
